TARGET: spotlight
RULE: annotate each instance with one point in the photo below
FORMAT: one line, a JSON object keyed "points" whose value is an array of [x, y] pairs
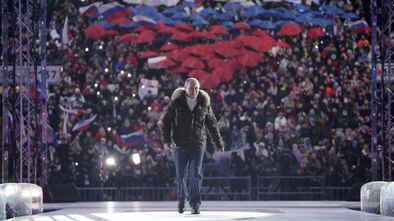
{"points": [[95, 85], [129, 75], [133, 94], [100, 47], [110, 161], [76, 163], [149, 108], [143, 86], [122, 72], [106, 70], [116, 98], [136, 158], [86, 49], [317, 46], [98, 93], [109, 129]]}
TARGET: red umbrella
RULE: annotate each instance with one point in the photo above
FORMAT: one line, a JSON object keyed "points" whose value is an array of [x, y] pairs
{"points": [[140, 29], [225, 74], [111, 33], [200, 49], [179, 70], [216, 63], [129, 37], [95, 32], [226, 50], [120, 21], [178, 55], [249, 59], [289, 29], [210, 81], [282, 44], [268, 39], [182, 37], [199, 74], [240, 39], [234, 64], [203, 35], [315, 33], [145, 37], [166, 63], [184, 27], [208, 57], [218, 29], [260, 33], [257, 44], [241, 26], [148, 54], [169, 47], [168, 30], [193, 63]]}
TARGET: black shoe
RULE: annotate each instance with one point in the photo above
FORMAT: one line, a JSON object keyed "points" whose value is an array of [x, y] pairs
{"points": [[195, 210], [181, 207]]}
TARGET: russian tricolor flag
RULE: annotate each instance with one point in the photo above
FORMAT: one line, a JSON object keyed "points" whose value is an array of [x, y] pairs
{"points": [[113, 10], [360, 26], [91, 10], [133, 138], [73, 111], [145, 21], [84, 125]]}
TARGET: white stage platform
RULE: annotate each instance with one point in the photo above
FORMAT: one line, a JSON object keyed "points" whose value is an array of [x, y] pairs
{"points": [[210, 210]]}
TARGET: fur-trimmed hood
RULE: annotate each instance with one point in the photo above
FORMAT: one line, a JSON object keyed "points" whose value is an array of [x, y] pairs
{"points": [[181, 91]]}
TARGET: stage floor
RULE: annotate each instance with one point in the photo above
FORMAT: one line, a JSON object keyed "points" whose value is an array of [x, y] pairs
{"points": [[210, 210]]}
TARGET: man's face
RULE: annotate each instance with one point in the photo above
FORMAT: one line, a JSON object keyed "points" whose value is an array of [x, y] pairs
{"points": [[192, 89]]}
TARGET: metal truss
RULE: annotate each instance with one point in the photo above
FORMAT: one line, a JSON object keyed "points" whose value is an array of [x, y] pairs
{"points": [[24, 100], [382, 149], [386, 89]]}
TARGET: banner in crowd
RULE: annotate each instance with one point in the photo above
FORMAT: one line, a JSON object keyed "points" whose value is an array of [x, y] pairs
{"points": [[148, 87], [153, 2], [131, 139], [76, 112], [84, 125], [53, 74]]}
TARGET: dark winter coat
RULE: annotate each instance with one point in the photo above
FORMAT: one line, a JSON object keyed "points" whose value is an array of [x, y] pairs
{"points": [[185, 128]]}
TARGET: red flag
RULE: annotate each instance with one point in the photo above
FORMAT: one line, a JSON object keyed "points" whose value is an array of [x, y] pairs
{"points": [[197, 3]]}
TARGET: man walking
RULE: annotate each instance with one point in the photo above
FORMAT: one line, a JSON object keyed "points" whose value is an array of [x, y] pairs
{"points": [[182, 128]]}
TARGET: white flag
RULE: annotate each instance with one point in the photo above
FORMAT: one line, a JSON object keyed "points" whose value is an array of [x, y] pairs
{"points": [[65, 37]]}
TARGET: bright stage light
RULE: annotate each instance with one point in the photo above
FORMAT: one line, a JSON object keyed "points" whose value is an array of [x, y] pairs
{"points": [[122, 72], [86, 49], [129, 75], [136, 158], [106, 70], [98, 93], [110, 161], [109, 128], [116, 98], [149, 108], [100, 47], [95, 85]]}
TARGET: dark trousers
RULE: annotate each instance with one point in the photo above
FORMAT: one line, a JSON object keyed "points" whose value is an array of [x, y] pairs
{"points": [[189, 162]]}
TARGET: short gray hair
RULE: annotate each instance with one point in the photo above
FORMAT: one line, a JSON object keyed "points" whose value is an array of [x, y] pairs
{"points": [[189, 80]]}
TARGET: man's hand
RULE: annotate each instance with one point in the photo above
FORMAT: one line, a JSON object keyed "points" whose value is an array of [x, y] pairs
{"points": [[167, 146]]}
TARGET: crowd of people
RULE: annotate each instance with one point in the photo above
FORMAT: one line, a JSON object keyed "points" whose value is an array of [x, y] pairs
{"points": [[303, 111]]}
